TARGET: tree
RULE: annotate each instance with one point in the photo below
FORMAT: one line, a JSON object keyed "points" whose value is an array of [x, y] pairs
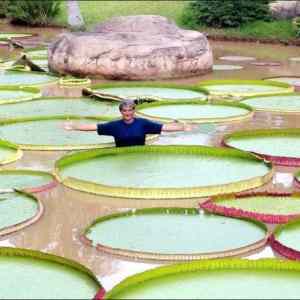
{"points": [[228, 13], [3, 8]]}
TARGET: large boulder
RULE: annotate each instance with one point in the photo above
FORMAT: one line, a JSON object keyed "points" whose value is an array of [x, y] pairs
{"points": [[132, 48], [285, 9]]}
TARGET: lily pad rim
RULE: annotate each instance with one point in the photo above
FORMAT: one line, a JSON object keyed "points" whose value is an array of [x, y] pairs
{"points": [[14, 157], [297, 177], [235, 67], [26, 35], [269, 79], [76, 81], [237, 58]]}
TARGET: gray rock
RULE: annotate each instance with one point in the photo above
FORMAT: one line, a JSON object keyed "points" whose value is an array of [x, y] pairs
{"points": [[285, 9], [132, 48]]}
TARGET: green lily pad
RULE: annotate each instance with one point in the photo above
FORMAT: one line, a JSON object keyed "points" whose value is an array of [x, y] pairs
{"points": [[27, 274], [48, 133], [16, 208], [214, 279], [59, 107], [170, 230], [23, 179], [18, 78]]}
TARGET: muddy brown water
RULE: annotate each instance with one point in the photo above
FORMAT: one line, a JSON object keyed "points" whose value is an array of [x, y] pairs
{"points": [[68, 212]]}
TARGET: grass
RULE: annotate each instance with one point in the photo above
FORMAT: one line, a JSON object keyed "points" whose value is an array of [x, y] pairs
{"points": [[94, 12], [282, 29]]}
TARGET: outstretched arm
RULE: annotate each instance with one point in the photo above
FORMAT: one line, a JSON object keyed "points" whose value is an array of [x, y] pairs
{"points": [[175, 126], [80, 127]]}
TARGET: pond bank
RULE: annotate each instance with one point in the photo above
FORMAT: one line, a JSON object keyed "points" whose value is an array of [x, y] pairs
{"points": [[226, 38]]}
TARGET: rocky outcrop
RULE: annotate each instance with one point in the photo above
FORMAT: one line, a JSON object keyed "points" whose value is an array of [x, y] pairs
{"points": [[285, 9], [132, 48]]}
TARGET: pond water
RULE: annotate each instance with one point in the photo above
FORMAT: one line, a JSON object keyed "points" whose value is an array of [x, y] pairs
{"points": [[68, 212]]}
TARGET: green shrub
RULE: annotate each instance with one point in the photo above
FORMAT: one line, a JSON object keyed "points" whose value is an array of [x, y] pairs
{"points": [[296, 25], [227, 13], [33, 12], [3, 8]]}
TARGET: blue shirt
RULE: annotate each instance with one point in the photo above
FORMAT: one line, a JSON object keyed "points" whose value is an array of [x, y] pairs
{"points": [[132, 134]]}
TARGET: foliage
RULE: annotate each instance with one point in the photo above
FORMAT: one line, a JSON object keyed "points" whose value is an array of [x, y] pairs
{"points": [[33, 12], [296, 25], [229, 13], [3, 8]]}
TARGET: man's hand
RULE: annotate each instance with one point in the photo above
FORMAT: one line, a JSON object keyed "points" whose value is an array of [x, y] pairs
{"points": [[178, 126], [69, 126], [80, 127], [189, 127]]}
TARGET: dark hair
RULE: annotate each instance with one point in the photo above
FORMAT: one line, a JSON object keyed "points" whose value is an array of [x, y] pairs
{"points": [[126, 102]]}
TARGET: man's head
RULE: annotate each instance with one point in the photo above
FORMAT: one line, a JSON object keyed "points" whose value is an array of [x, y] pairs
{"points": [[127, 110]]}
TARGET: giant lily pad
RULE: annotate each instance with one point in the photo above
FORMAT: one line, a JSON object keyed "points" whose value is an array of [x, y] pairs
{"points": [[152, 91], [285, 103], [128, 234], [281, 146], [201, 112], [147, 176], [19, 78], [285, 240], [60, 106], [269, 208], [243, 88], [25, 179], [214, 279], [17, 94], [47, 133], [18, 210], [27, 274]]}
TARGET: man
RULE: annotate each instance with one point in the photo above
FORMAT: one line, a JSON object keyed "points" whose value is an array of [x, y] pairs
{"points": [[129, 131]]}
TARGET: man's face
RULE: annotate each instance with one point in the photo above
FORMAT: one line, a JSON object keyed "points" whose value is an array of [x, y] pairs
{"points": [[127, 113]]}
